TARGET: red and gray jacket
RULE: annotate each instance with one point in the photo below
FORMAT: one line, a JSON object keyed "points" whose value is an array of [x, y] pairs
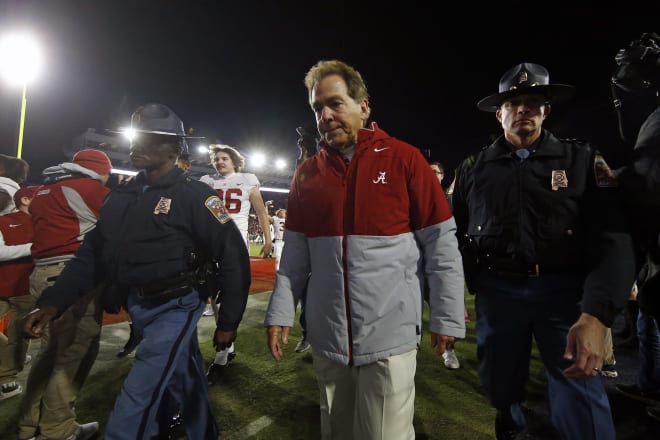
{"points": [[63, 212], [368, 234]]}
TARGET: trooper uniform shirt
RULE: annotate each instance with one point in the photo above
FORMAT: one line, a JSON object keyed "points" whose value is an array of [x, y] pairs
{"points": [[142, 248], [147, 234], [555, 211]]}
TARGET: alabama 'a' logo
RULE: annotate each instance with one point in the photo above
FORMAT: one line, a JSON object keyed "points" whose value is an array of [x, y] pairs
{"points": [[217, 208], [380, 178]]}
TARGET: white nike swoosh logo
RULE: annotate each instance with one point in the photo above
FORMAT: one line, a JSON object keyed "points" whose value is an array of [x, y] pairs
{"points": [[378, 150], [14, 226]]}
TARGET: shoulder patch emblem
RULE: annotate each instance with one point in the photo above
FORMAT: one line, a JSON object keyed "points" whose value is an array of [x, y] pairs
{"points": [[163, 206], [558, 179], [217, 208], [605, 177]]}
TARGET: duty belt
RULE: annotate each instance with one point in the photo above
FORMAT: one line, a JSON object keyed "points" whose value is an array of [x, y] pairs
{"points": [[508, 268], [163, 290], [531, 271]]}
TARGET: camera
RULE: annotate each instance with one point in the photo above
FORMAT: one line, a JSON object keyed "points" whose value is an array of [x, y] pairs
{"points": [[308, 141]]}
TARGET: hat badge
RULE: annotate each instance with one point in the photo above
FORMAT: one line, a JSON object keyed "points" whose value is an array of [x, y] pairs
{"points": [[523, 77]]}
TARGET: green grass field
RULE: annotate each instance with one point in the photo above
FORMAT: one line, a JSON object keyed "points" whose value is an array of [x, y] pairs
{"points": [[264, 399], [260, 398]]}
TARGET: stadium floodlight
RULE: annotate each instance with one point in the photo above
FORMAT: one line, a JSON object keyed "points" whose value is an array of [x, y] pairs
{"points": [[128, 133], [280, 164], [123, 172], [20, 62], [257, 160], [202, 149], [276, 190]]}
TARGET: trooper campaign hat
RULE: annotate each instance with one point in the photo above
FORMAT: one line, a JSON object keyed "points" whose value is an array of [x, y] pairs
{"points": [[526, 78], [154, 118], [157, 119]]}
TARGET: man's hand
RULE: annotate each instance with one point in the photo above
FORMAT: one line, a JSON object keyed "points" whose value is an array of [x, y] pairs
{"points": [[441, 343], [37, 320], [273, 340], [223, 339], [585, 346], [265, 249]]}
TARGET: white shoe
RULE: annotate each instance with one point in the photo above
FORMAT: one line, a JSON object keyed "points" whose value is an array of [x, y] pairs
{"points": [[451, 361], [302, 346], [10, 389], [208, 311], [85, 431]]}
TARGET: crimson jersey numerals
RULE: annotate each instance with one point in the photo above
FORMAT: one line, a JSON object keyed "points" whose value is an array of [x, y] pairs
{"points": [[232, 198]]}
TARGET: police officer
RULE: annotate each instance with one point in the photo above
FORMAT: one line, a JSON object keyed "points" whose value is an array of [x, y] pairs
{"points": [[547, 252], [636, 93], [153, 234]]}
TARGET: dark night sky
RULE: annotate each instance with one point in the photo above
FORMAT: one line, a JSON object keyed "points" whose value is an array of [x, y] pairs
{"points": [[233, 70]]}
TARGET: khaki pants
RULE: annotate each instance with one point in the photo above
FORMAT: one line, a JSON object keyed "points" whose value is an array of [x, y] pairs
{"points": [[608, 355], [14, 346], [370, 402], [63, 364]]}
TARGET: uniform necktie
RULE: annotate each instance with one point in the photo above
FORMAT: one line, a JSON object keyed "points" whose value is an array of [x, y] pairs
{"points": [[522, 153]]}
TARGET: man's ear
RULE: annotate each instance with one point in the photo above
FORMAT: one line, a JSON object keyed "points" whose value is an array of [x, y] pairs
{"points": [[547, 109]]}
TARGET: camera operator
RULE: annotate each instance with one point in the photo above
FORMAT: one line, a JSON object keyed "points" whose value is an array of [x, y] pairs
{"points": [[636, 93]]}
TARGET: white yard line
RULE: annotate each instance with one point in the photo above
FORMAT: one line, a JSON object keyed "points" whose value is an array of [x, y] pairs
{"points": [[250, 430]]}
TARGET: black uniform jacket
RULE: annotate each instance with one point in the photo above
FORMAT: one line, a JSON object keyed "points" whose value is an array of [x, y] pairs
{"points": [[641, 181], [146, 234], [558, 211]]}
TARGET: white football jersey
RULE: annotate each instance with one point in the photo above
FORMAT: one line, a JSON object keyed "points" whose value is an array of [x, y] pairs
{"points": [[234, 191], [278, 228]]}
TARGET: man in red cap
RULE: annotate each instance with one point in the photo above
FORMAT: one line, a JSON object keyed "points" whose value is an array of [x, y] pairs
{"points": [[16, 264], [64, 210]]}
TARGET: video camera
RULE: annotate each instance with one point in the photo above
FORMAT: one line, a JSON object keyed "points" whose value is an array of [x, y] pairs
{"points": [[635, 84], [638, 65], [308, 141]]}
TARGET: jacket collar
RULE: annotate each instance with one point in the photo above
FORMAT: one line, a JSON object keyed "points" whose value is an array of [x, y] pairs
{"points": [[166, 180], [549, 146]]}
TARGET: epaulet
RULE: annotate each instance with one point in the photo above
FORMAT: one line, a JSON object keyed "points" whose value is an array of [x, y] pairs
{"points": [[604, 175], [471, 159], [579, 141]]}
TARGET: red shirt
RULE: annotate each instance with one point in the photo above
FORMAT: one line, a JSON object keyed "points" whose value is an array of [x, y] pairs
{"points": [[16, 229]]}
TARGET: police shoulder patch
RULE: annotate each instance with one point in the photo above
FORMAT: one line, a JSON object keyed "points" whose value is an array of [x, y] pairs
{"points": [[605, 177], [217, 208]]}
